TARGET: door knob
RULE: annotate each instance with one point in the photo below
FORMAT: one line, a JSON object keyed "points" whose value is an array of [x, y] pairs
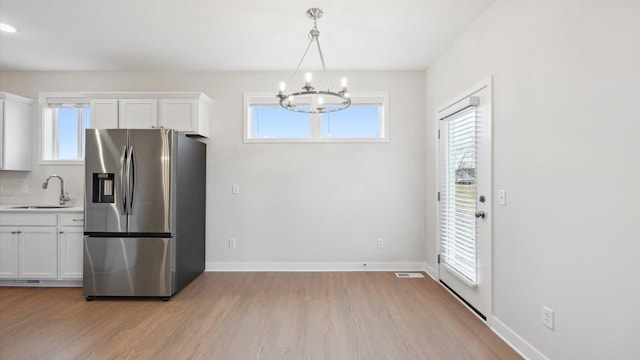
{"points": [[480, 214]]}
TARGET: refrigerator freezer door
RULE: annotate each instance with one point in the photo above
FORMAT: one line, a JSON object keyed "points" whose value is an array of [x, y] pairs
{"points": [[151, 182], [104, 175], [129, 266]]}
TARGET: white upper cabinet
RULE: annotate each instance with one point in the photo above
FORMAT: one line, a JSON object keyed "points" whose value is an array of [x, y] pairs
{"points": [[15, 132], [188, 112], [179, 114], [104, 113], [190, 116], [138, 113]]}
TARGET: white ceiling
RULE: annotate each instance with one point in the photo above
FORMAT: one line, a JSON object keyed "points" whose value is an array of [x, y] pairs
{"points": [[227, 35]]}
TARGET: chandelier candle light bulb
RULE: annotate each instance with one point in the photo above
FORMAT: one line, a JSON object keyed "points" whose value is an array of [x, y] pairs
{"points": [[343, 88], [326, 101], [307, 81]]}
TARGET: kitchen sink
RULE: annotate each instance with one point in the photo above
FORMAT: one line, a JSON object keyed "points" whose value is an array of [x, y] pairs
{"points": [[41, 206]]}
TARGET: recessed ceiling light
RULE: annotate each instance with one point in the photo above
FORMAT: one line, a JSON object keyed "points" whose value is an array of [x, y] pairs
{"points": [[7, 28]]}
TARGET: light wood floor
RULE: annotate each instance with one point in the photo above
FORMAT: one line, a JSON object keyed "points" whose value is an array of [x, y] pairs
{"points": [[351, 315]]}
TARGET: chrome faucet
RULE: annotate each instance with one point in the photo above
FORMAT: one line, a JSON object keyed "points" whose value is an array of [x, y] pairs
{"points": [[63, 196]]}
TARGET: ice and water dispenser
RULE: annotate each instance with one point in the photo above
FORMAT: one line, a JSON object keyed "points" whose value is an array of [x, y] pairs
{"points": [[103, 188]]}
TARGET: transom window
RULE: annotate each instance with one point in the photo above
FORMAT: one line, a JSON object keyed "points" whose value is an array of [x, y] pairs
{"points": [[366, 120], [268, 121], [359, 121]]}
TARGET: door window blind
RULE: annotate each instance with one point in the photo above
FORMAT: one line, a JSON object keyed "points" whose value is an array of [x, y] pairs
{"points": [[458, 195]]}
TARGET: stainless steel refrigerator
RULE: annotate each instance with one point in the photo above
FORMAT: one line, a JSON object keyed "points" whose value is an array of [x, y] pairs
{"points": [[144, 212]]}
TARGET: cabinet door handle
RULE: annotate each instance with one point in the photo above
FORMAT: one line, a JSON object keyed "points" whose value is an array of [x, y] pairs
{"points": [[77, 219], [61, 232], [14, 232]]}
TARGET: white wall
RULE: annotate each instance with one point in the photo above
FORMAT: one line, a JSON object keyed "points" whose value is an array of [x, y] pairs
{"points": [[301, 206], [566, 86]]}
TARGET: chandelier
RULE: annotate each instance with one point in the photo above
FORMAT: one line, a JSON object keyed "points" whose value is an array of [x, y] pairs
{"points": [[310, 100]]}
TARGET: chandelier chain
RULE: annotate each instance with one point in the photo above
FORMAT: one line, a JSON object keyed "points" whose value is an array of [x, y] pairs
{"points": [[299, 64], [324, 67]]}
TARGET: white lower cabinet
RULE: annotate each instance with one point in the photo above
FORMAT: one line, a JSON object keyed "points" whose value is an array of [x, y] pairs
{"points": [[28, 246], [8, 252], [71, 239], [41, 246], [38, 252]]}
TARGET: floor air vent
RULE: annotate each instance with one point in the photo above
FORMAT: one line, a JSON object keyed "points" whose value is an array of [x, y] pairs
{"points": [[409, 275]]}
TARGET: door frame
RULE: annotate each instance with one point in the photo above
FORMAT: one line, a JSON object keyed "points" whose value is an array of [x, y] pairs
{"points": [[485, 84]]}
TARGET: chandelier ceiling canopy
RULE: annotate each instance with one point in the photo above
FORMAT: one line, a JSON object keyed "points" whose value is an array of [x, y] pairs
{"points": [[310, 100]]}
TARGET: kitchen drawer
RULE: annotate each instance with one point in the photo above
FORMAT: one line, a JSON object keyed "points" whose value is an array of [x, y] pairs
{"points": [[72, 219], [28, 219]]}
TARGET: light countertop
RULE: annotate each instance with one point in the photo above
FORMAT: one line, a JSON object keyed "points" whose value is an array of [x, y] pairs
{"points": [[38, 208]]}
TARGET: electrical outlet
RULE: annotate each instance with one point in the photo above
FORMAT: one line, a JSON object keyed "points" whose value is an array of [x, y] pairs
{"points": [[235, 189], [547, 317], [25, 188], [380, 243], [232, 243]]}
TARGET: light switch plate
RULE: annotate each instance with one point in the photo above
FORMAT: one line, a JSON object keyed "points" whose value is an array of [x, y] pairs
{"points": [[547, 317], [502, 197]]}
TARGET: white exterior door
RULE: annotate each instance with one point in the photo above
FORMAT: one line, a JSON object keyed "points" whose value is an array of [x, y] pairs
{"points": [[464, 186]]}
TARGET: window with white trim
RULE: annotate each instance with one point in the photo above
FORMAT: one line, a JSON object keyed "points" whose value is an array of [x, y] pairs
{"points": [[366, 120], [64, 121]]}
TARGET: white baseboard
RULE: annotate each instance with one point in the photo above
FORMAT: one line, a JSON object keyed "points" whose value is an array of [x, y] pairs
{"points": [[431, 271], [517, 343], [315, 266]]}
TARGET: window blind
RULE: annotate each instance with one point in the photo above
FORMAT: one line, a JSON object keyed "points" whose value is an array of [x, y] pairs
{"points": [[458, 195], [69, 102]]}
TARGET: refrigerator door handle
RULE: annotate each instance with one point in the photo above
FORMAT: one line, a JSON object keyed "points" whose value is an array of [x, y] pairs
{"points": [[132, 178], [124, 183]]}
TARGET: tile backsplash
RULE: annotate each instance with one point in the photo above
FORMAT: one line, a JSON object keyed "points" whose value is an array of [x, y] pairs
{"points": [[21, 187]]}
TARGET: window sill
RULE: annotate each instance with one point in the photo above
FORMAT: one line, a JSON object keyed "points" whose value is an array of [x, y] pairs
{"points": [[62, 162], [341, 140]]}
